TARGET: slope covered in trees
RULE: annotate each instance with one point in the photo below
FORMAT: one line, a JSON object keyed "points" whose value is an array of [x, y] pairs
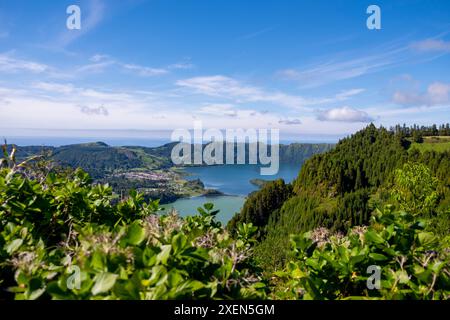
{"points": [[341, 188], [270, 198]]}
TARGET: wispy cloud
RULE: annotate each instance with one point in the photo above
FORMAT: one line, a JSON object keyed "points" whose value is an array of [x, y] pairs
{"points": [[344, 114], [100, 62], [8, 63], [354, 65], [144, 71], [69, 90], [226, 87], [181, 65], [53, 87], [229, 88], [431, 45], [96, 67], [219, 110], [99, 57]]}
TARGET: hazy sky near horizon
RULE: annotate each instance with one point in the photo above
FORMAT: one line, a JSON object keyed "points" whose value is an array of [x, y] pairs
{"points": [[305, 67]]}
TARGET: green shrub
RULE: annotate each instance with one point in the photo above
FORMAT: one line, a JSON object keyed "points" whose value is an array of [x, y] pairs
{"points": [[63, 238], [414, 264]]}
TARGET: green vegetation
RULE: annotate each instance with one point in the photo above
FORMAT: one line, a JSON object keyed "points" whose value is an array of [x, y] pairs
{"points": [[430, 145], [413, 263], [270, 197], [341, 188], [369, 205], [64, 238]]}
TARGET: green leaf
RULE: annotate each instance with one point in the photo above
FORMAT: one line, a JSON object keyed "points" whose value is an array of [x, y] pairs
{"points": [[374, 237], [174, 278], [302, 243], [164, 255], [103, 282], [179, 241], [426, 239], [13, 245], [378, 257], [208, 206], [135, 234], [36, 293], [97, 260], [148, 257], [357, 259], [297, 274], [402, 276]]}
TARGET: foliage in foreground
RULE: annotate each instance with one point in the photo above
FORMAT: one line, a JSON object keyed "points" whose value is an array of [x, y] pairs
{"points": [[412, 263], [63, 238]]}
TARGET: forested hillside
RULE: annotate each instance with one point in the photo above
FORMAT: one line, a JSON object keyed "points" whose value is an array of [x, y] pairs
{"points": [[339, 189]]}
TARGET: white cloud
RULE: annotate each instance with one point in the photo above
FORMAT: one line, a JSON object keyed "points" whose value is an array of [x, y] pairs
{"points": [[344, 114], [11, 65], [145, 71], [96, 67], [69, 91], [290, 121], [54, 87], [431, 45], [344, 95], [333, 70], [99, 57], [181, 65], [229, 88], [223, 109], [100, 62], [65, 106], [437, 93], [217, 86]]}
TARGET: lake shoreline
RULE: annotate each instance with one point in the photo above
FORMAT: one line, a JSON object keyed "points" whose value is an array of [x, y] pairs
{"points": [[232, 184]]}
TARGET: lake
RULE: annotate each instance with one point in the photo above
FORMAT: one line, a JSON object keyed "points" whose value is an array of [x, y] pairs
{"points": [[233, 180]]}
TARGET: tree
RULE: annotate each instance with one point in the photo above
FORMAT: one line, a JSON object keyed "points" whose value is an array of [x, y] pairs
{"points": [[415, 188], [417, 137]]}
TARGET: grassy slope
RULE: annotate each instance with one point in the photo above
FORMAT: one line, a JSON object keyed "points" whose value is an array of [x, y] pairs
{"points": [[438, 144]]}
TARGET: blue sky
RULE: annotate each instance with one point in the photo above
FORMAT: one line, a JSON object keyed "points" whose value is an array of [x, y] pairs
{"points": [[309, 68]]}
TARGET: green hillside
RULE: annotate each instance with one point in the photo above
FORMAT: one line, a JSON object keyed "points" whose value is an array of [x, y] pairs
{"points": [[433, 143], [340, 189]]}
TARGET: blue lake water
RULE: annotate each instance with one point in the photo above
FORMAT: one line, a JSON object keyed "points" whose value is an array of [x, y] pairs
{"points": [[233, 180]]}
